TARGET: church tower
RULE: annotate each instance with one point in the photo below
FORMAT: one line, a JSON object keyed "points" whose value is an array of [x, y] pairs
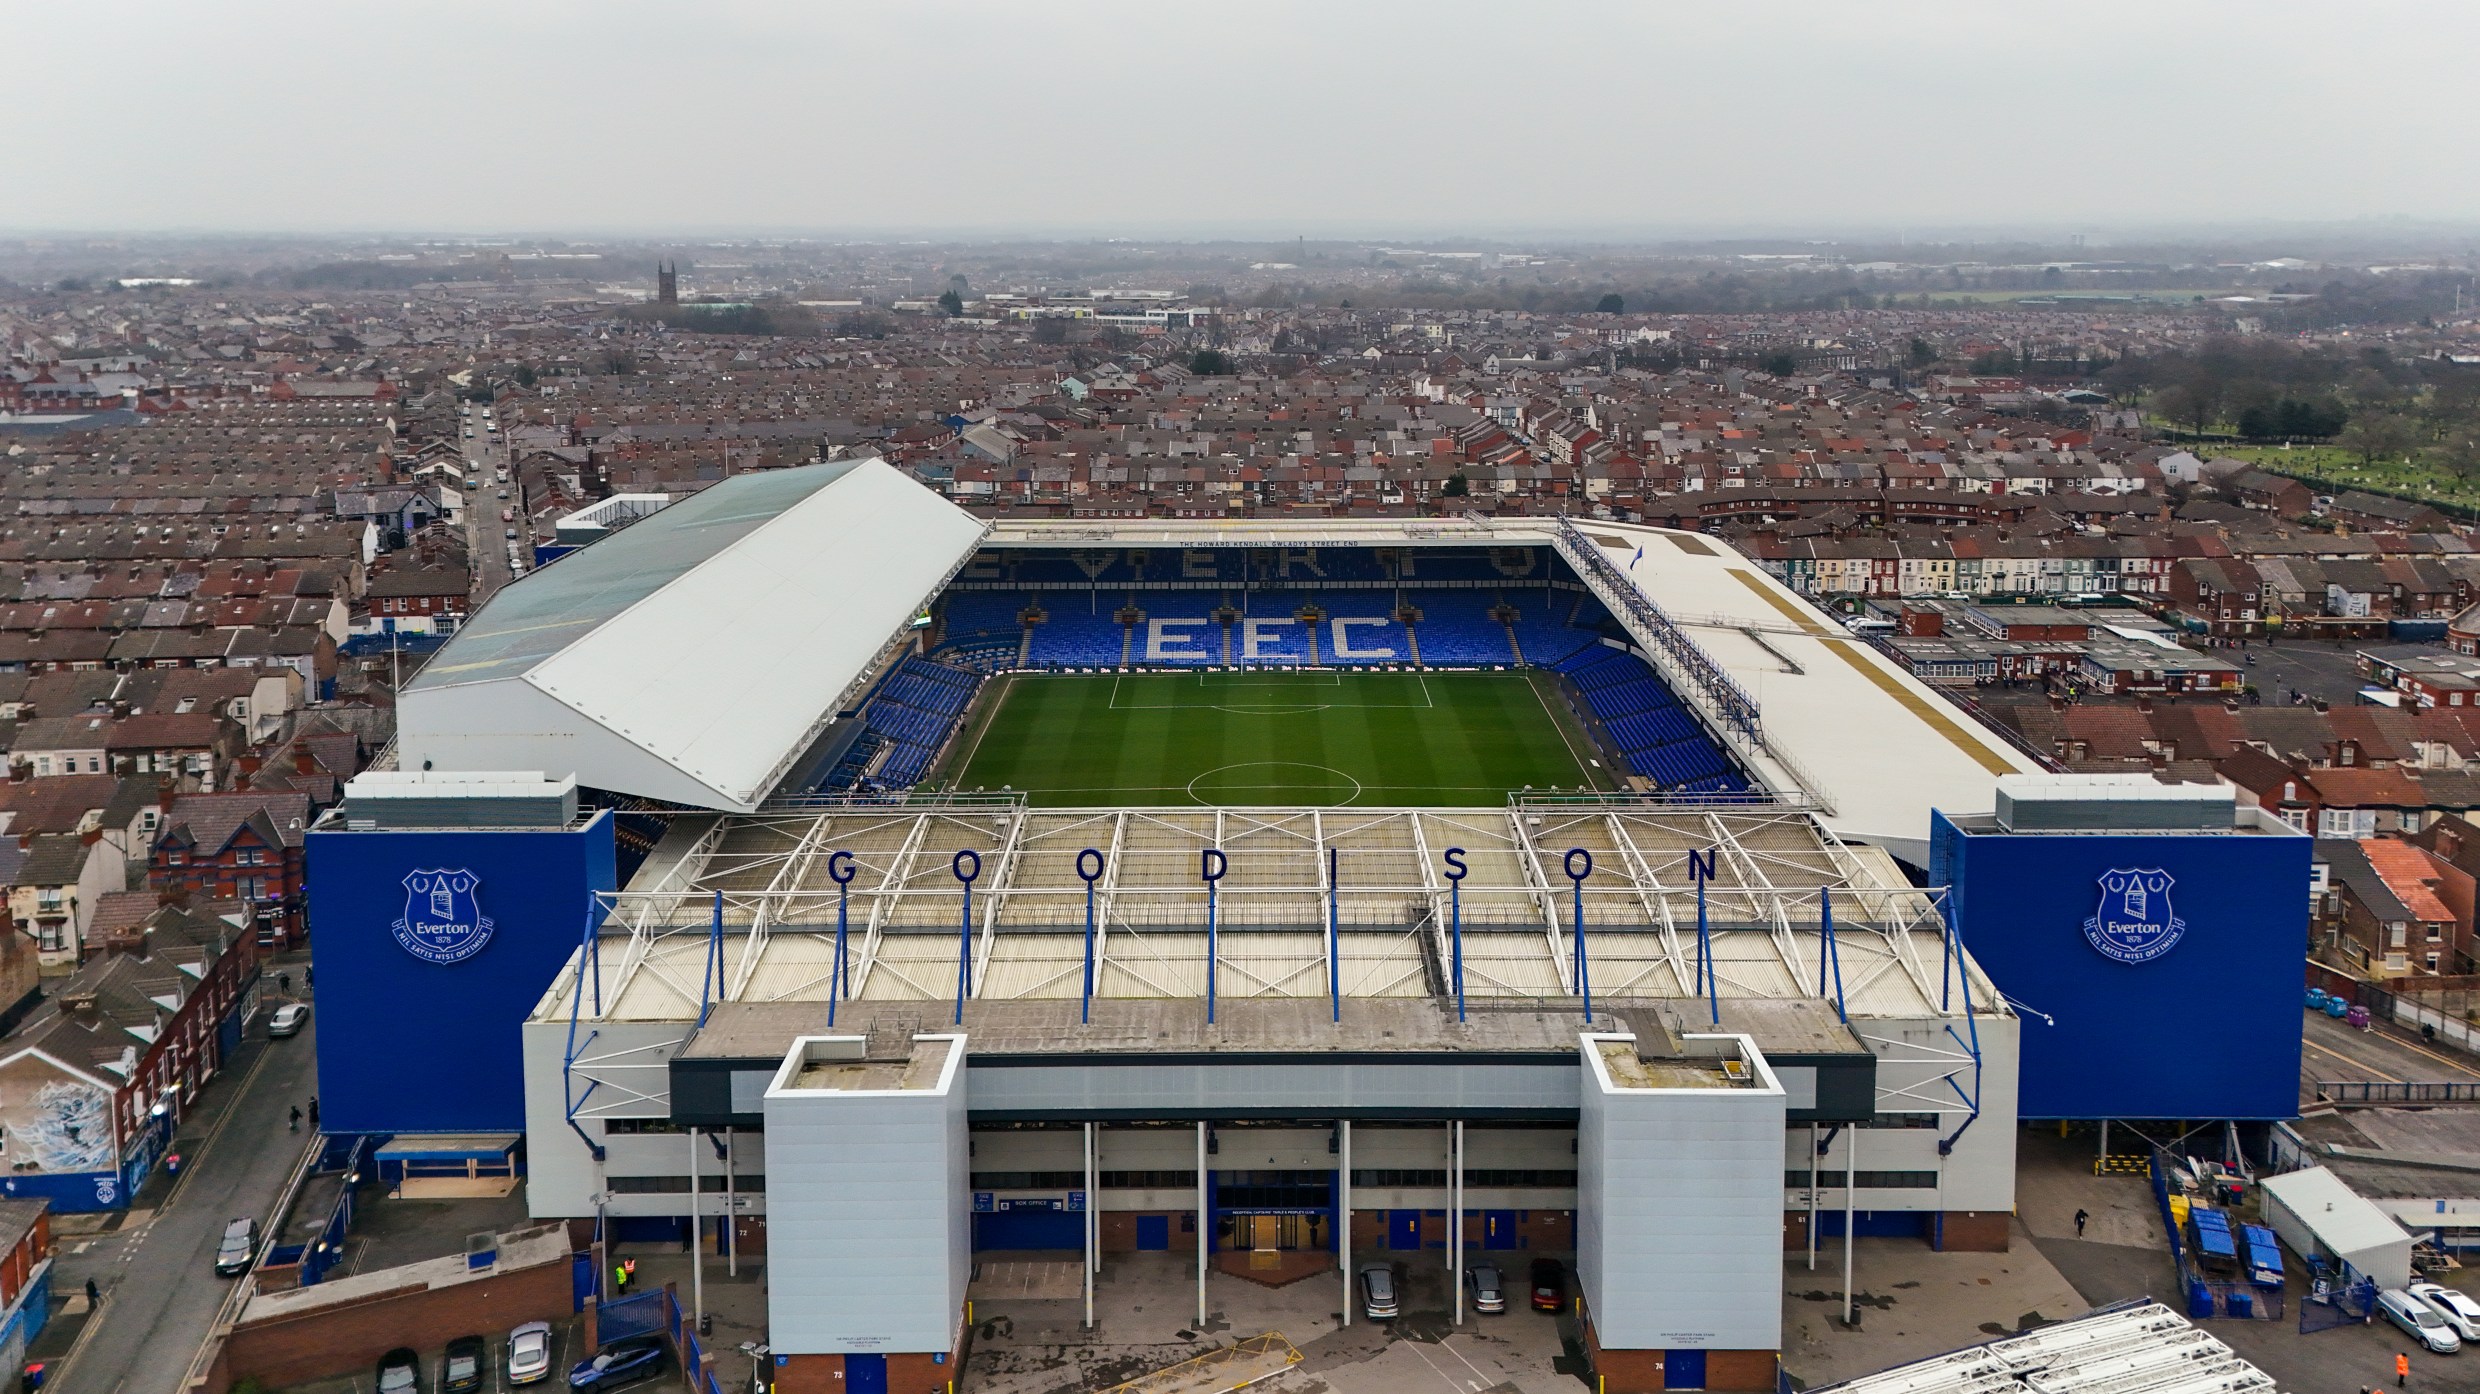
{"points": [[667, 283]]}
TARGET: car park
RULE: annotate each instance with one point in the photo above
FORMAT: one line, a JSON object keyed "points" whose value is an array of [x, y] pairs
{"points": [[288, 1020], [400, 1372], [621, 1362], [2460, 1309], [465, 1366], [1489, 1293], [529, 1353], [1549, 1283], [238, 1248], [1378, 1292], [2422, 1322]]}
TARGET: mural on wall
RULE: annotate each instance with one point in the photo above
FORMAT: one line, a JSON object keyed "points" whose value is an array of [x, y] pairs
{"points": [[67, 1127]]}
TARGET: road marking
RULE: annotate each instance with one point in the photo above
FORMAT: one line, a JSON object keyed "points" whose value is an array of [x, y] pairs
{"points": [[2353, 1060], [1443, 1376], [2447, 1061], [1448, 1343]]}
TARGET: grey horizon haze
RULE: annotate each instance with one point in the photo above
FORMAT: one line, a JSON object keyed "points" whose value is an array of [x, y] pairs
{"points": [[1249, 118]]}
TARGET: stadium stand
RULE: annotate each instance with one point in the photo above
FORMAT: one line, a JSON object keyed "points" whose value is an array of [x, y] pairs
{"points": [[1658, 738], [1074, 635], [910, 716], [1456, 628]]}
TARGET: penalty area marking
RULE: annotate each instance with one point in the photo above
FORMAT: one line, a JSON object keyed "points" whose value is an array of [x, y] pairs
{"points": [[1428, 700]]}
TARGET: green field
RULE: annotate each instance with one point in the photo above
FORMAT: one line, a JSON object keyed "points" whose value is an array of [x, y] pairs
{"points": [[1304, 737], [2330, 469]]}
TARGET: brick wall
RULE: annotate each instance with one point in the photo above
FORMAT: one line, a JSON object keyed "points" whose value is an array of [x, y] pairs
{"points": [[908, 1372], [349, 1339], [1640, 1371], [1972, 1231]]}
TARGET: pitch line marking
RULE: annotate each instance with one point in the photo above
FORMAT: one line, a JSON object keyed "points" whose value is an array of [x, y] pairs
{"points": [[1357, 786]]}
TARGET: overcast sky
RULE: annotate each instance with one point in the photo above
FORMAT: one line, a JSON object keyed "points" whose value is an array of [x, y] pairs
{"points": [[1169, 117]]}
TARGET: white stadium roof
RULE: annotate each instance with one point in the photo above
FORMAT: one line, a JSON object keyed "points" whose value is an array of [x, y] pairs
{"points": [[697, 655]]}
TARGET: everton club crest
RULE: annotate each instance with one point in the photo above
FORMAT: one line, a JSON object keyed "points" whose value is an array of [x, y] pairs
{"points": [[2135, 923], [443, 920]]}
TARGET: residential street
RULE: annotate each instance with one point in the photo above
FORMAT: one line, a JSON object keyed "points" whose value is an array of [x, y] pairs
{"points": [[160, 1291]]}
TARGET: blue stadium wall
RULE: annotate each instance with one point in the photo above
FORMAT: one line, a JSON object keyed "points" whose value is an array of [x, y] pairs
{"points": [[2207, 1029], [408, 1045]]}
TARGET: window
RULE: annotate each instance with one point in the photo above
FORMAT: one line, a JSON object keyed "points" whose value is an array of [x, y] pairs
{"points": [[679, 1185], [1869, 1180], [251, 887], [54, 937], [1043, 1180], [648, 1185], [629, 1127], [1135, 1180]]}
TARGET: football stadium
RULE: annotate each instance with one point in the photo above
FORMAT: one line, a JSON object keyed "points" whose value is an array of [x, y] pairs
{"points": [[846, 879]]}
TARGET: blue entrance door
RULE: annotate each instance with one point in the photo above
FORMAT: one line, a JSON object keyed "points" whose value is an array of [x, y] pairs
{"points": [[1683, 1369], [1498, 1229], [1403, 1229], [865, 1374], [1153, 1232]]}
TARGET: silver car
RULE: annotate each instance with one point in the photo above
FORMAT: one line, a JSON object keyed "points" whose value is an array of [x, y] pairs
{"points": [[2458, 1308], [2424, 1323], [1378, 1292], [1489, 1292], [529, 1353]]}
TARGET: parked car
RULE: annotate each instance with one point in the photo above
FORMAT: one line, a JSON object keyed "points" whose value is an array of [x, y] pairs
{"points": [[288, 1020], [1549, 1286], [2425, 1324], [1378, 1292], [2458, 1308], [239, 1247], [465, 1367], [621, 1362], [400, 1372], [1488, 1294], [529, 1353]]}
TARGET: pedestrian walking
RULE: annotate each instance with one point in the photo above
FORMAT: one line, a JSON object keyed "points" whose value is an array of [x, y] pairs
{"points": [[284, 983], [94, 1295], [2402, 1369], [305, 977], [314, 1113], [296, 1118], [2080, 1218]]}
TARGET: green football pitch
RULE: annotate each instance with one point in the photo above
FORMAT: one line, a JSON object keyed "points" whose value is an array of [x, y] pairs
{"points": [[1298, 737]]}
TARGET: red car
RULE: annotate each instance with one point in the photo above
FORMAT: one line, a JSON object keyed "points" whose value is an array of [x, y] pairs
{"points": [[1549, 1286]]}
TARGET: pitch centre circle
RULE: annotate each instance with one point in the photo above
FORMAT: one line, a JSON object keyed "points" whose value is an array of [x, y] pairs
{"points": [[1250, 781]]}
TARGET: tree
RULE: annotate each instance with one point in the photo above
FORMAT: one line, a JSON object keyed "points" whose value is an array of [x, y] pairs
{"points": [[1050, 329], [952, 303], [1922, 355], [2192, 403], [2375, 435], [1457, 486], [525, 375], [1612, 304], [1210, 363], [1780, 363]]}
